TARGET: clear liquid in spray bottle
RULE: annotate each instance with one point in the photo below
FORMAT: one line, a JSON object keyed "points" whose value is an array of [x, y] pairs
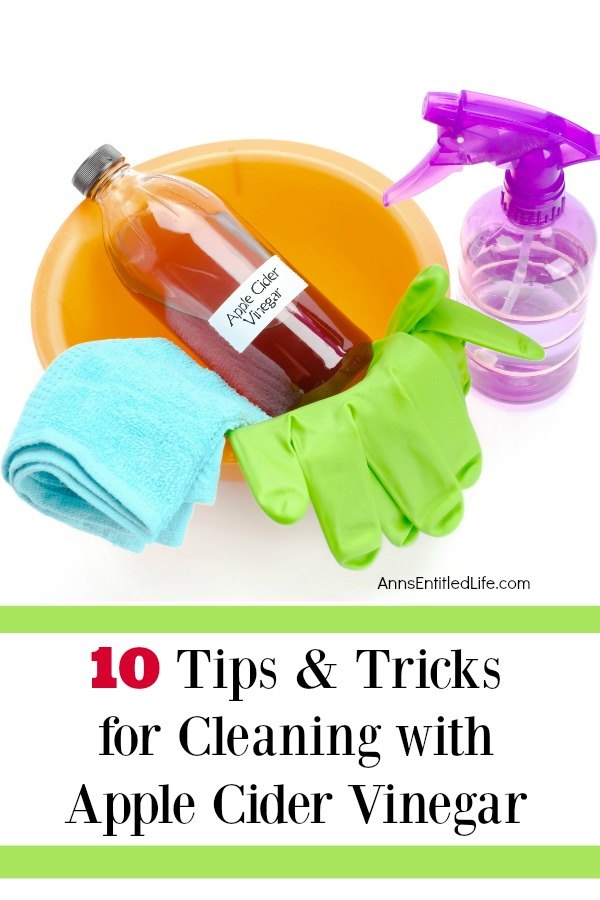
{"points": [[527, 249]]}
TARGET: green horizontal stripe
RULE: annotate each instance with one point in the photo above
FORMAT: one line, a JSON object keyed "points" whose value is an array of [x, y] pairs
{"points": [[297, 619], [300, 862]]}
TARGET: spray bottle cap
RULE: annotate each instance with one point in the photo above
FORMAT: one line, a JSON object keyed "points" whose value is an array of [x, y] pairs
{"points": [[533, 144]]}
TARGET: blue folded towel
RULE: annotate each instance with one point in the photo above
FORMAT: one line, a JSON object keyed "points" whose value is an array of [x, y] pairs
{"points": [[120, 438]]}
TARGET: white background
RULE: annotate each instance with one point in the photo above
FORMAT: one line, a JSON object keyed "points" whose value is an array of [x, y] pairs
{"points": [[544, 738], [350, 76], [355, 890]]}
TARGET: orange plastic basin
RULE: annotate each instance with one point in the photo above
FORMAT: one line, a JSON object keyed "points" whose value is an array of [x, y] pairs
{"points": [[320, 209]]}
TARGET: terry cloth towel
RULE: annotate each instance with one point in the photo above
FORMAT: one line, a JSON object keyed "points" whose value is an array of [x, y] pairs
{"points": [[120, 438]]}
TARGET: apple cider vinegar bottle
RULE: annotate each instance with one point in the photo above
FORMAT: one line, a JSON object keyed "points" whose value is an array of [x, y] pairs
{"points": [[221, 289]]}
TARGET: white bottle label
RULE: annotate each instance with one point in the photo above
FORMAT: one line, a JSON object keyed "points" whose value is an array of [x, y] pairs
{"points": [[256, 302]]}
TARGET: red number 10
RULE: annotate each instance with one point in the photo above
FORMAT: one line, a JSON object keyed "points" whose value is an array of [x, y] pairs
{"points": [[104, 677]]}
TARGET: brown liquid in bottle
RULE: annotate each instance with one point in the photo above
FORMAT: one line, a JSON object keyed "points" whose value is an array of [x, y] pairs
{"points": [[183, 253]]}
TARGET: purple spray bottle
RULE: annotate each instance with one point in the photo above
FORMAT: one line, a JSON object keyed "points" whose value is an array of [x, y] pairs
{"points": [[528, 248]]}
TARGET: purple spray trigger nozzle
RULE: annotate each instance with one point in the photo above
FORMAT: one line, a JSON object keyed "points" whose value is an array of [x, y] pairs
{"points": [[534, 143], [425, 175], [440, 108]]}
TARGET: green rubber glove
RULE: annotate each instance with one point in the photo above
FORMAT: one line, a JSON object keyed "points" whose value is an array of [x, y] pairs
{"points": [[446, 325], [391, 454]]}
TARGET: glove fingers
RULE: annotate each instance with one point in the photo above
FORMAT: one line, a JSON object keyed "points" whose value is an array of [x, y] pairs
{"points": [[423, 294], [413, 470], [398, 529], [439, 401], [460, 321], [341, 489], [271, 468]]}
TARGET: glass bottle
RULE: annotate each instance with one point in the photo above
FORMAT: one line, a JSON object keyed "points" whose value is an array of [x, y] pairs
{"points": [[221, 288]]}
